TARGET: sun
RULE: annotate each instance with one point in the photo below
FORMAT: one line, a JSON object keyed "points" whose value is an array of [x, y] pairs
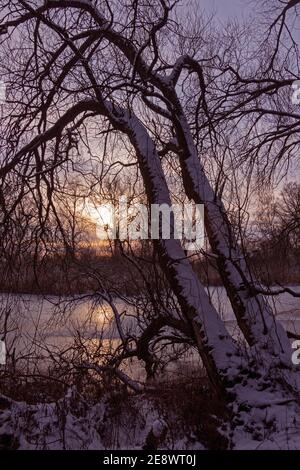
{"points": [[104, 215], [100, 215]]}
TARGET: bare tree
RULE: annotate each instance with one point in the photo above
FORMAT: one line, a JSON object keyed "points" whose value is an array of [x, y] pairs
{"points": [[93, 72]]}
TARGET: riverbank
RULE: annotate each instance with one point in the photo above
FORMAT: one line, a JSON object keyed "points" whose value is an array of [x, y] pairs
{"points": [[57, 275]]}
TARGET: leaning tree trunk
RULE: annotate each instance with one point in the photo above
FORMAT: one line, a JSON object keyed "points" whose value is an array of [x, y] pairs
{"points": [[245, 379], [254, 315], [247, 386], [218, 351]]}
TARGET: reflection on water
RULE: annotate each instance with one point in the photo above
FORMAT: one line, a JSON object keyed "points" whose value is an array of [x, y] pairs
{"points": [[37, 324]]}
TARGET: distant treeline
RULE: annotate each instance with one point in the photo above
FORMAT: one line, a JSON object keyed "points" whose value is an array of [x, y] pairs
{"points": [[63, 275]]}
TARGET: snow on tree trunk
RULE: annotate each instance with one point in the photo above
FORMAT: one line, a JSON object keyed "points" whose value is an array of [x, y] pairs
{"points": [[254, 315], [245, 384], [218, 351]]}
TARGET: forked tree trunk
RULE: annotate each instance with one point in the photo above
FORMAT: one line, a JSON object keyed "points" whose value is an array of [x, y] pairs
{"points": [[221, 356], [247, 386], [254, 316]]}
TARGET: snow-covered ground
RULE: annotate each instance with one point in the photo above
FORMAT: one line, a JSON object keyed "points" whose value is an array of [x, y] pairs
{"points": [[63, 425], [37, 321]]}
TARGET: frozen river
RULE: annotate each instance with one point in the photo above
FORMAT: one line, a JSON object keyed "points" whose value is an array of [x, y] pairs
{"points": [[36, 324]]}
